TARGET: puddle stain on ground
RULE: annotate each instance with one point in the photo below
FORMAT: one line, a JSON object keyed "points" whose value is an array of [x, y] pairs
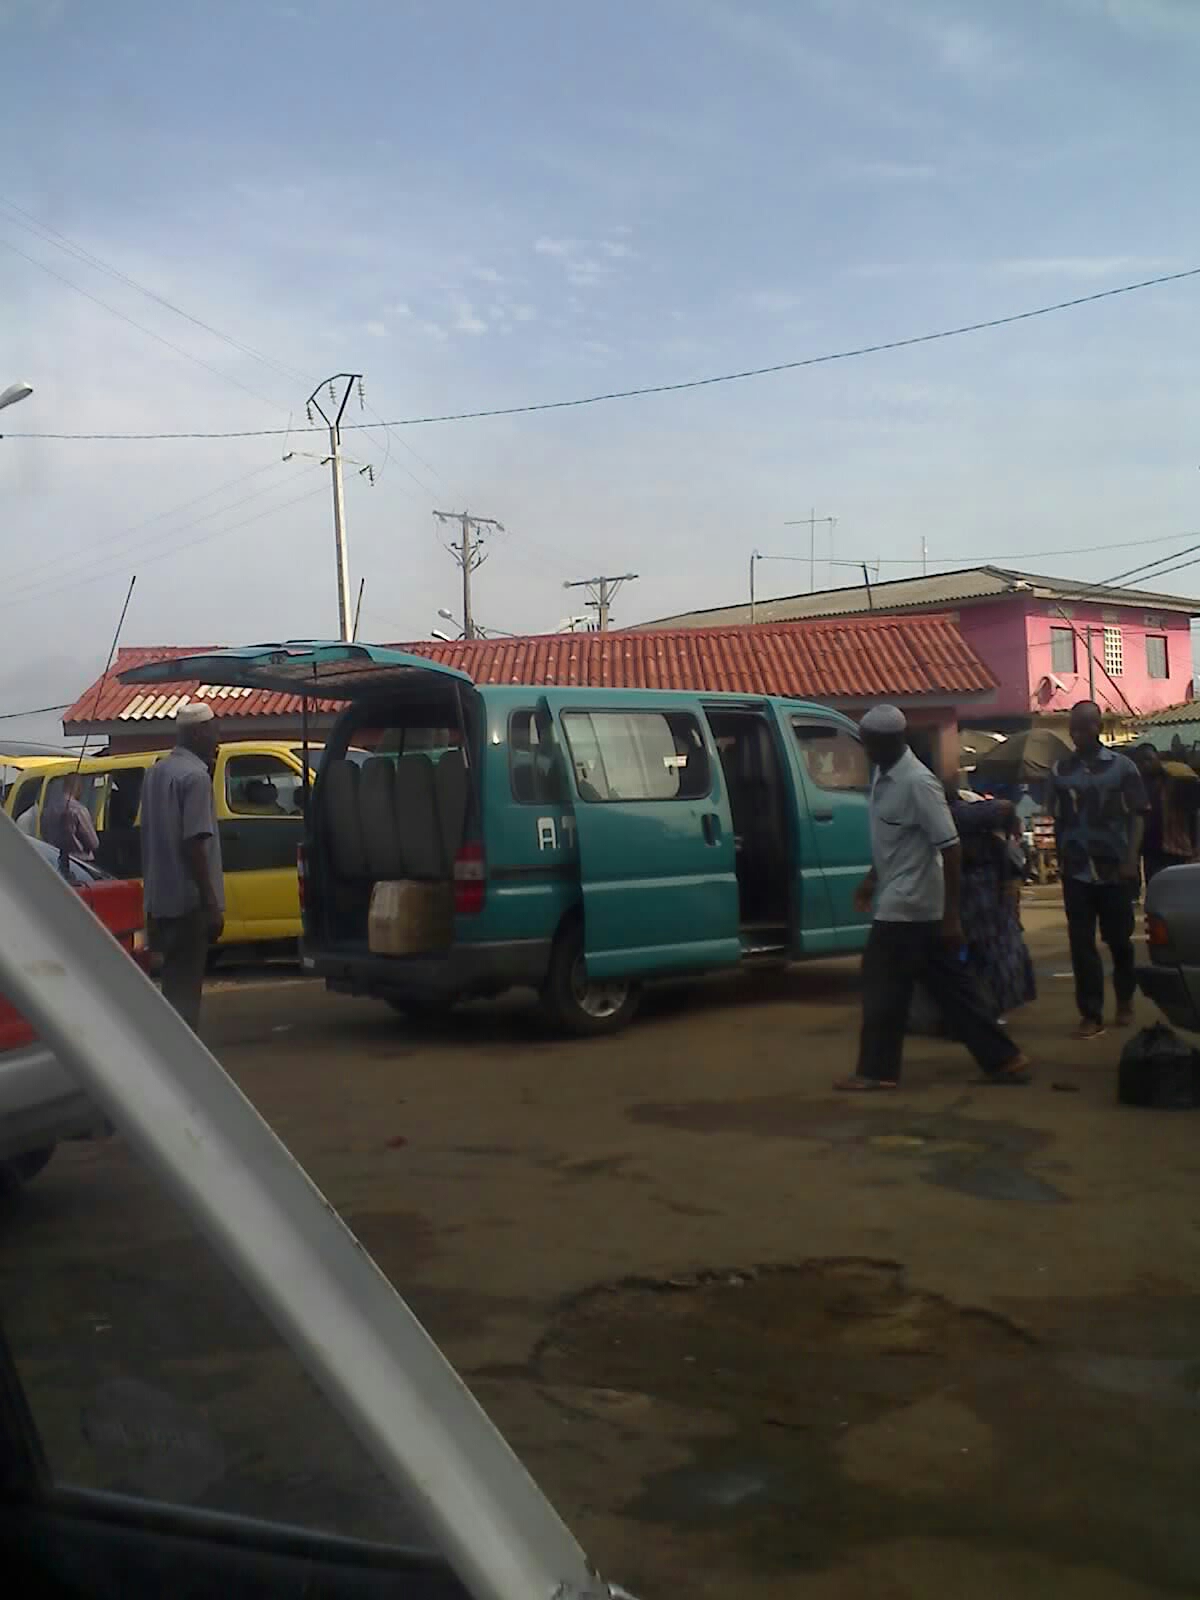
{"points": [[973, 1156], [847, 1406]]}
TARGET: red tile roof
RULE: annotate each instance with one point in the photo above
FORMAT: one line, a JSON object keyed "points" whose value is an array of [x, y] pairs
{"points": [[849, 659]]}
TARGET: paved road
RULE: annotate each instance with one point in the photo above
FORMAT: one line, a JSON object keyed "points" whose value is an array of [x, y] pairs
{"points": [[752, 1339]]}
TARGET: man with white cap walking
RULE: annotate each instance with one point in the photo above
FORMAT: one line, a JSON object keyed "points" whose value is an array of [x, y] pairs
{"points": [[913, 888], [181, 858]]}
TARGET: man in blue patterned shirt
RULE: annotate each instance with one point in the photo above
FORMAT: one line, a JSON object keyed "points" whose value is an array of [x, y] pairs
{"points": [[1100, 810]]}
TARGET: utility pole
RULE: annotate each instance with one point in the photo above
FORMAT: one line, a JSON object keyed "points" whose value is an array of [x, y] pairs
{"points": [[811, 521], [603, 592], [337, 391], [470, 554]]}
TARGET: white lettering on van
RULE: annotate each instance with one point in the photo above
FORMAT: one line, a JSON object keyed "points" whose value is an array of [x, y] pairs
{"points": [[568, 828], [547, 834]]}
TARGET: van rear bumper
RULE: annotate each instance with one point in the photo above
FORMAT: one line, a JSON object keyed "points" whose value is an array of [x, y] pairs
{"points": [[466, 969]]}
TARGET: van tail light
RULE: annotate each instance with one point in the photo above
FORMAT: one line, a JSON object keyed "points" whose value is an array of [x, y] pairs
{"points": [[302, 873], [1157, 936], [470, 880]]}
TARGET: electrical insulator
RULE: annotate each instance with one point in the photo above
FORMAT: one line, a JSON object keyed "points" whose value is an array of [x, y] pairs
{"points": [[308, 409], [362, 399]]}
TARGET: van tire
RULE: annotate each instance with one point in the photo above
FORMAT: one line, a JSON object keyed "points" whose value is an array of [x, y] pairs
{"points": [[586, 1010]]}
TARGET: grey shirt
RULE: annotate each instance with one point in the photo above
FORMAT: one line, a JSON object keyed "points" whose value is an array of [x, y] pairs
{"points": [[178, 805], [910, 827]]}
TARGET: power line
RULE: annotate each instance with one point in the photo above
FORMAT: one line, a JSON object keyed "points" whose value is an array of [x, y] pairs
{"points": [[37, 711], [665, 388], [1006, 556], [117, 539], [140, 326], [71, 247], [162, 555]]}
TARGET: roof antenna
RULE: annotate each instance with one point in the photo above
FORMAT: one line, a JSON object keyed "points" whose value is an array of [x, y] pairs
{"points": [[64, 853]]}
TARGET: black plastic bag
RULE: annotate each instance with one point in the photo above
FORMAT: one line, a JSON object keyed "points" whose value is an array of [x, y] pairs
{"points": [[1159, 1069]]}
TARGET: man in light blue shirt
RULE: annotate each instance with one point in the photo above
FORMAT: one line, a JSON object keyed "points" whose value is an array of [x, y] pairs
{"points": [[916, 933], [181, 859]]}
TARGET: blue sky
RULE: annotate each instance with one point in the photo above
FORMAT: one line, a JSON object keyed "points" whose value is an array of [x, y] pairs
{"points": [[482, 205]]}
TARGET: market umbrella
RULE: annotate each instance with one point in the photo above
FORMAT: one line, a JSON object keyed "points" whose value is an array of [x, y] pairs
{"points": [[1025, 758]]}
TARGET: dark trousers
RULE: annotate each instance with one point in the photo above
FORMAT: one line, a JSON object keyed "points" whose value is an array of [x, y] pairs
{"points": [[1110, 905], [897, 955], [182, 942]]}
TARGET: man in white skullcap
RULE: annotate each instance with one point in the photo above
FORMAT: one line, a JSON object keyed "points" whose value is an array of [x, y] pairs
{"points": [[181, 858], [913, 890]]}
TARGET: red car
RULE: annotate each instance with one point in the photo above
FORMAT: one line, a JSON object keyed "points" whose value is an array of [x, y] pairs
{"points": [[40, 1102]]}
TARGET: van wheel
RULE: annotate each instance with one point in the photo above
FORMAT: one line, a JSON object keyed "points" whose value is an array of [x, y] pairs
{"points": [[576, 1004]]}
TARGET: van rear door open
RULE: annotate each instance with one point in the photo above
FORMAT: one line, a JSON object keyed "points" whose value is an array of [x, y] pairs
{"points": [[655, 835]]}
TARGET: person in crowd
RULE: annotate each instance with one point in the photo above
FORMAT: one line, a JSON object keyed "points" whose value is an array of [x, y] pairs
{"points": [[1173, 794], [1100, 808], [67, 823], [993, 869], [916, 934], [181, 859]]}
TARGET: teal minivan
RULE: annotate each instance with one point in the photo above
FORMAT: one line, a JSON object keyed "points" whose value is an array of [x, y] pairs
{"points": [[594, 838]]}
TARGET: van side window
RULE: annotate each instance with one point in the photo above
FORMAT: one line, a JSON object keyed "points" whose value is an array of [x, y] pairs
{"points": [[833, 758], [124, 796], [637, 755], [535, 770], [26, 796], [262, 786]]}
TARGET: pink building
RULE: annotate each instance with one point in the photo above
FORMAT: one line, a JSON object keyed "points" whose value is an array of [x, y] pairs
{"points": [[1035, 634]]}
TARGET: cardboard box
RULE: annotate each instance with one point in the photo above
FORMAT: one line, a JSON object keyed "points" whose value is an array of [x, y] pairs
{"points": [[409, 918]]}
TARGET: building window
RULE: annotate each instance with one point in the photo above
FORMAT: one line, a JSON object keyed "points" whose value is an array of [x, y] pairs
{"points": [[1062, 650], [1156, 656], [1114, 652]]}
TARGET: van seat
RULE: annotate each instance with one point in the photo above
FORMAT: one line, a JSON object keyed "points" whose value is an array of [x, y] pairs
{"points": [[343, 825], [416, 816], [450, 780], [380, 819]]}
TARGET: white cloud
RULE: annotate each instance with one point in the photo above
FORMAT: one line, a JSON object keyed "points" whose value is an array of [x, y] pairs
{"points": [[433, 330], [466, 321], [890, 171], [1181, 17], [486, 275], [586, 272], [616, 249], [377, 330], [1083, 266], [400, 309], [524, 314], [773, 301], [562, 248]]}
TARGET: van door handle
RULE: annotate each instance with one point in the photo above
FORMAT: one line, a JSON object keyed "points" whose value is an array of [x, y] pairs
{"points": [[710, 826], [822, 816]]}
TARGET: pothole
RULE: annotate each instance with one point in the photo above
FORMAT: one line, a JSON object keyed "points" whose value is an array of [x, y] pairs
{"points": [[819, 1344]]}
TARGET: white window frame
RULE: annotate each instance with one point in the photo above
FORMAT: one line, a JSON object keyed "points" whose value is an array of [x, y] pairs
{"points": [[1114, 651]]}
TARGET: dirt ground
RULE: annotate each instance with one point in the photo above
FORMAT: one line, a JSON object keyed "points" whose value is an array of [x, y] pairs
{"points": [[752, 1338]]}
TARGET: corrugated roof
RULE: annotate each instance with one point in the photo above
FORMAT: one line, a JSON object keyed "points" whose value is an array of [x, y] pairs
{"points": [[940, 591], [1189, 711], [852, 660]]}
